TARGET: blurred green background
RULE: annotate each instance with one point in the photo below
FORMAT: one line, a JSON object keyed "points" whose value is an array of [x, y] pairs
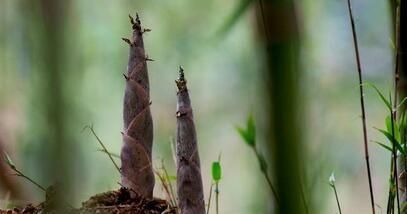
{"points": [[225, 86]]}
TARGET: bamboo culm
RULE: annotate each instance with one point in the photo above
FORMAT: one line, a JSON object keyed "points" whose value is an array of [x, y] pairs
{"points": [[189, 179], [136, 168]]}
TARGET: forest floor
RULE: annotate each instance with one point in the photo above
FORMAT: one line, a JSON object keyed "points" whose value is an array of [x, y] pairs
{"points": [[118, 202]]}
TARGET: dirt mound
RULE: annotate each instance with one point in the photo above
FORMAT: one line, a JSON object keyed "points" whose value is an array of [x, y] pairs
{"points": [[117, 202]]}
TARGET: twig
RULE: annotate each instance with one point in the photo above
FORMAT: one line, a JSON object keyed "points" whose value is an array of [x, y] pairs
{"points": [[209, 199], [337, 199], [20, 173], [396, 67], [112, 154], [217, 196], [103, 147], [362, 105], [273, 190]]}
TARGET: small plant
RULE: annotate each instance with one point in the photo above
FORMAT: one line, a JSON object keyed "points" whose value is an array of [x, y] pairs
{"points": [[104, 149], [166, 183], [248, 134], [216, 177], [19, 173], [392, 133], [332, 184]]}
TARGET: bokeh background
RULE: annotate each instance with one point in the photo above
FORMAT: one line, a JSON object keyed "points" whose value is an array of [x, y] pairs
{"points": [[222, 68]]}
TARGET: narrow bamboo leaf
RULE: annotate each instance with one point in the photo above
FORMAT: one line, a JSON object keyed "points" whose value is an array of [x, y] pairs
{"points": [[383, 145], [402, 122], [401, 103], [216, 171], [385, 101], [249, 133], [236, 14], [244, 135], [395, 128], [392, 140], [396, 131], [251, 129], [388, 123], [392, 45]]}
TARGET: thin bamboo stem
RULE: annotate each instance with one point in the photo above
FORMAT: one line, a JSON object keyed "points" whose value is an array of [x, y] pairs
{"points": [[394, 151], [362, 106], [217, 197], [209, 199], [337, 199], [268, 179]]}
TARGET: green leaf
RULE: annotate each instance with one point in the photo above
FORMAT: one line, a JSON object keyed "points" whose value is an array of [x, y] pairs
{"points": [[385, 101], [391, 130], [402, 122], [392, 45], [248, 134], [262, 162], [401, 102], [392, 140], [251, 128], [383, 145], [243, 134], [388, 123], [396, 131], [216, 171], [236, 14]]}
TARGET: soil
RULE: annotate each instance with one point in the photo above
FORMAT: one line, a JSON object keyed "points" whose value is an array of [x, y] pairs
{"points": [[117, 202]]}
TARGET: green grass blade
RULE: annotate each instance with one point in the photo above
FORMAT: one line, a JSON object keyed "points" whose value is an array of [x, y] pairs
{"points": [[385, 101], [243, 133], [388, 123], [390, 130], [392, 140], [242, 7], [251, 129], [401, 102], [383, 145], [402, 121], [249, 133]]}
